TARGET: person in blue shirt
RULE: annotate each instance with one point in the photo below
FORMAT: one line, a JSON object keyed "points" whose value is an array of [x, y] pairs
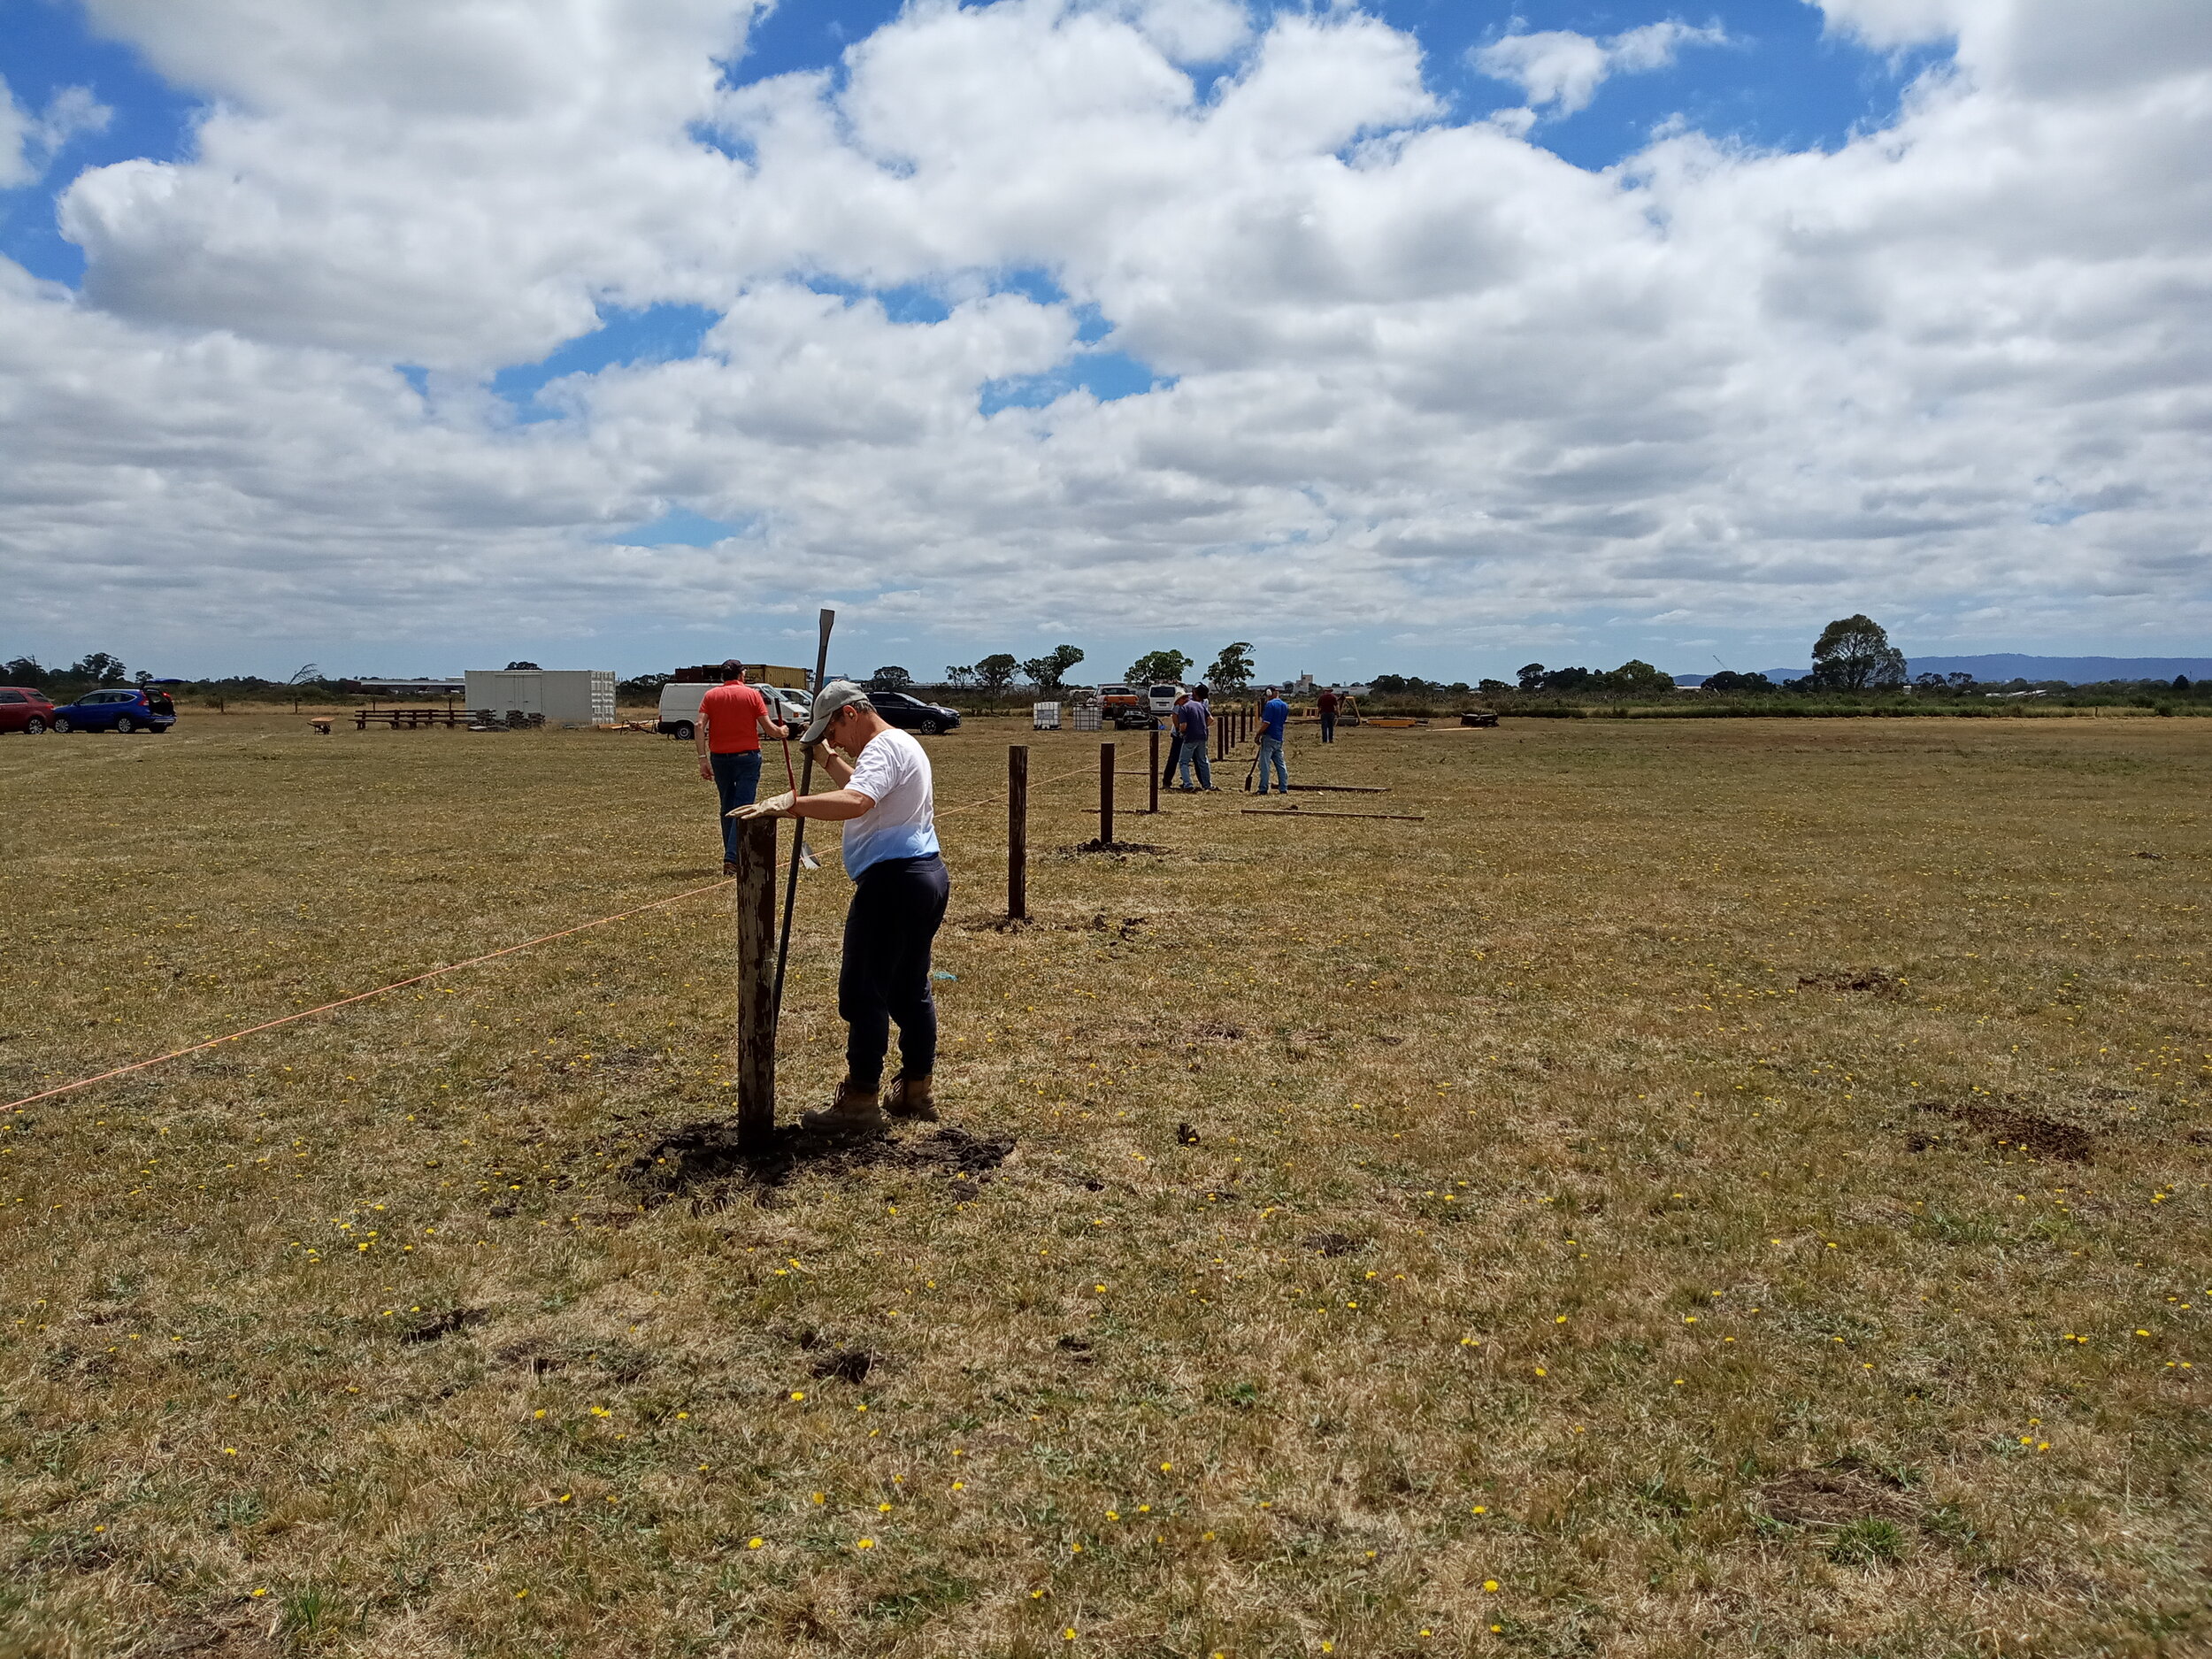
{"points": [[1194, 724], [1274, 713]]}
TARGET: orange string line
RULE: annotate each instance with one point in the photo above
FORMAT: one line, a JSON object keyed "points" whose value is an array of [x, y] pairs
{"points": [[451, 967]]}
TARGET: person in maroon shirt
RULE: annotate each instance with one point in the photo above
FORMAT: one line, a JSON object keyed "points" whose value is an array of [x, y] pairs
{"points": [[1327, 702], [732, 720]]}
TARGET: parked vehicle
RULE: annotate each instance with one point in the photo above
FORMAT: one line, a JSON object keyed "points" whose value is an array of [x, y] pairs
{"points": [[1163, 697], [124, 712], [25, 710], [1126, 706], [911, 714], [680, 699]]}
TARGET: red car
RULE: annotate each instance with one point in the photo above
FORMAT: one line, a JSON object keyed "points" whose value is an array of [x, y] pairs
{"points": [[24, 709]]}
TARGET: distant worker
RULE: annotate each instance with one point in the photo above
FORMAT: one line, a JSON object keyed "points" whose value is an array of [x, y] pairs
{"points": [[732, 720], [1274, 715], [885, 798], [1194, 724], [1326, 704], [1174, 740]]}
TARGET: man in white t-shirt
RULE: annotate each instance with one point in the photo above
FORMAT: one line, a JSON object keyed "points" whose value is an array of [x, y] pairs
{"points": [[885, 800]]}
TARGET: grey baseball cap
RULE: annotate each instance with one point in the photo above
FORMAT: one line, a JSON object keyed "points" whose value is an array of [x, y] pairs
{"points": [[838, 693]]}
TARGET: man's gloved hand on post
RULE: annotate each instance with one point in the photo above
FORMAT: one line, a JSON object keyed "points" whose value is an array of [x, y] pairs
{"points": [[774, 806]]}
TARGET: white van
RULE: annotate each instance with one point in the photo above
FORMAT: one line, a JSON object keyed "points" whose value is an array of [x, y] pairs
{"points": [[1161, 696], [679, 706]]}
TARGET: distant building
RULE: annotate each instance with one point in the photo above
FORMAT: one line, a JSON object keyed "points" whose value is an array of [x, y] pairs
{"points": [[564, 696]]}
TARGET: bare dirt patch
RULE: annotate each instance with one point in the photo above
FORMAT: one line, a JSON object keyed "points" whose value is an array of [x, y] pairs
{"points": [[1830, 1497], [2038, 1137], [1873, 980]]}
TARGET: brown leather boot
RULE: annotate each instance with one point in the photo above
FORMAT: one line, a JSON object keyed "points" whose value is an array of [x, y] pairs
{"points": [[851, 1111], [911, 1097]]}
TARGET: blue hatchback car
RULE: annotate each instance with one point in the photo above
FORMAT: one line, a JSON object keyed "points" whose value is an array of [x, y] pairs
{"points": [[116, 711]]}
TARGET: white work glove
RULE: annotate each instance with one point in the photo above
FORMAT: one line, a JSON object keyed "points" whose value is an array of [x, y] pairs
{"points": [[774, 806]]}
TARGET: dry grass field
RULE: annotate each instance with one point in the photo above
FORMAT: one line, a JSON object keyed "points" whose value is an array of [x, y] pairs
{"points": [[1725, 1187]]}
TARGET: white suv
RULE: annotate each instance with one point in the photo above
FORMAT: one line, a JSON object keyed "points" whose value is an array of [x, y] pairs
{"points": [[1162, 698]]}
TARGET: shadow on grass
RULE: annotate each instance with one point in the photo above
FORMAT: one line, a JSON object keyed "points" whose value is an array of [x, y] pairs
{"points": [[704, 1161]]}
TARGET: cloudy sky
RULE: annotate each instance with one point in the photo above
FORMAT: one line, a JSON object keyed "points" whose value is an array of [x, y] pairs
{"points": [[1433, 335]]}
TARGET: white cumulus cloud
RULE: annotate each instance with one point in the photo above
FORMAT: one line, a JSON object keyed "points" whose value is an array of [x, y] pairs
{"points": [[1420, 381], [1560, 67], [29, 143]]}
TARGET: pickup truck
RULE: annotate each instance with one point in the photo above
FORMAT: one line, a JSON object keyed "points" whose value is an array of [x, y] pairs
{"points": [[1124, 706]]}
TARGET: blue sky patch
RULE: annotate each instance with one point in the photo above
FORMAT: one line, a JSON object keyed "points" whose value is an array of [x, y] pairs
{"points": [[652, 334], [1106, 375], [679, 526], [45, 47]]}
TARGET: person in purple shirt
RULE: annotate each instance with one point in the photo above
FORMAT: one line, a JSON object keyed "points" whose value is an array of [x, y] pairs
{"points": [[1194, 724], [1274, 713]]}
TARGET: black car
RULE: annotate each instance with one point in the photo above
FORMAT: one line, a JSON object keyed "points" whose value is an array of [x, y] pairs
{"points": [[911, 714]]}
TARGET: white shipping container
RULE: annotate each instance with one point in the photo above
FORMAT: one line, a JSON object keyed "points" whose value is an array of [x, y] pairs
{"points": [[564, 696]]}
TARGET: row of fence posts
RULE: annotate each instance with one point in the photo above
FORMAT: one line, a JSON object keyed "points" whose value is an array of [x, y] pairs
{"points": [[1231, 727], [756, 910]]}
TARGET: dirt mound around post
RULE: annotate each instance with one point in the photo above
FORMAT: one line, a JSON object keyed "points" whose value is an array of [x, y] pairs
{"points": [[705, 1161]]}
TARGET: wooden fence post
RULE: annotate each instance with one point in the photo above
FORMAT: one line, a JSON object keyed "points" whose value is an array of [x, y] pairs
{"points": [[1154, 771], [755, 888], [1105, 795], [1018, 833]]}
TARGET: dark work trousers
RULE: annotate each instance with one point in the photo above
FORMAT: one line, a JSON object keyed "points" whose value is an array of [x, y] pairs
{"points": [[1174, 748], [897, 908], [1328, 727], [736, 781]]}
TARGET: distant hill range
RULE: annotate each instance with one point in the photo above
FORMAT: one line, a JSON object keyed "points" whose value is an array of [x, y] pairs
{"points": [[2000, 666]]}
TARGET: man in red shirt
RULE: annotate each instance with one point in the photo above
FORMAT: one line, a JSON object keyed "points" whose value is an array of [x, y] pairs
{"points": [[732, 720], [1326, 704]]}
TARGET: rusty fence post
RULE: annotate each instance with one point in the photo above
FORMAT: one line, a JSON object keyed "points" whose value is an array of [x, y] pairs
{"points": [[755, 889], [1018, 833], [1154, 771], [1105, 795]]}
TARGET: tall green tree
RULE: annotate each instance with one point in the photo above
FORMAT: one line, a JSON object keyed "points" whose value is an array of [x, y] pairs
{"points": [[1159, 665], [890, 677], [100, 668], [1047, 672], [1232, 670], [1637, 678], [1854, 654], [996, 672]]}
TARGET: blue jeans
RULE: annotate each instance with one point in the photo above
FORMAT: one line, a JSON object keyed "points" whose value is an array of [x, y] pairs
{"points": [[1328, 728], [1272, 749], [736, 782], [1194, 754]]}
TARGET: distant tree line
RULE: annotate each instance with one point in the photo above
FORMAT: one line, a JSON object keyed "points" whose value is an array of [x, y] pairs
{"points": [[1232, 670]]}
